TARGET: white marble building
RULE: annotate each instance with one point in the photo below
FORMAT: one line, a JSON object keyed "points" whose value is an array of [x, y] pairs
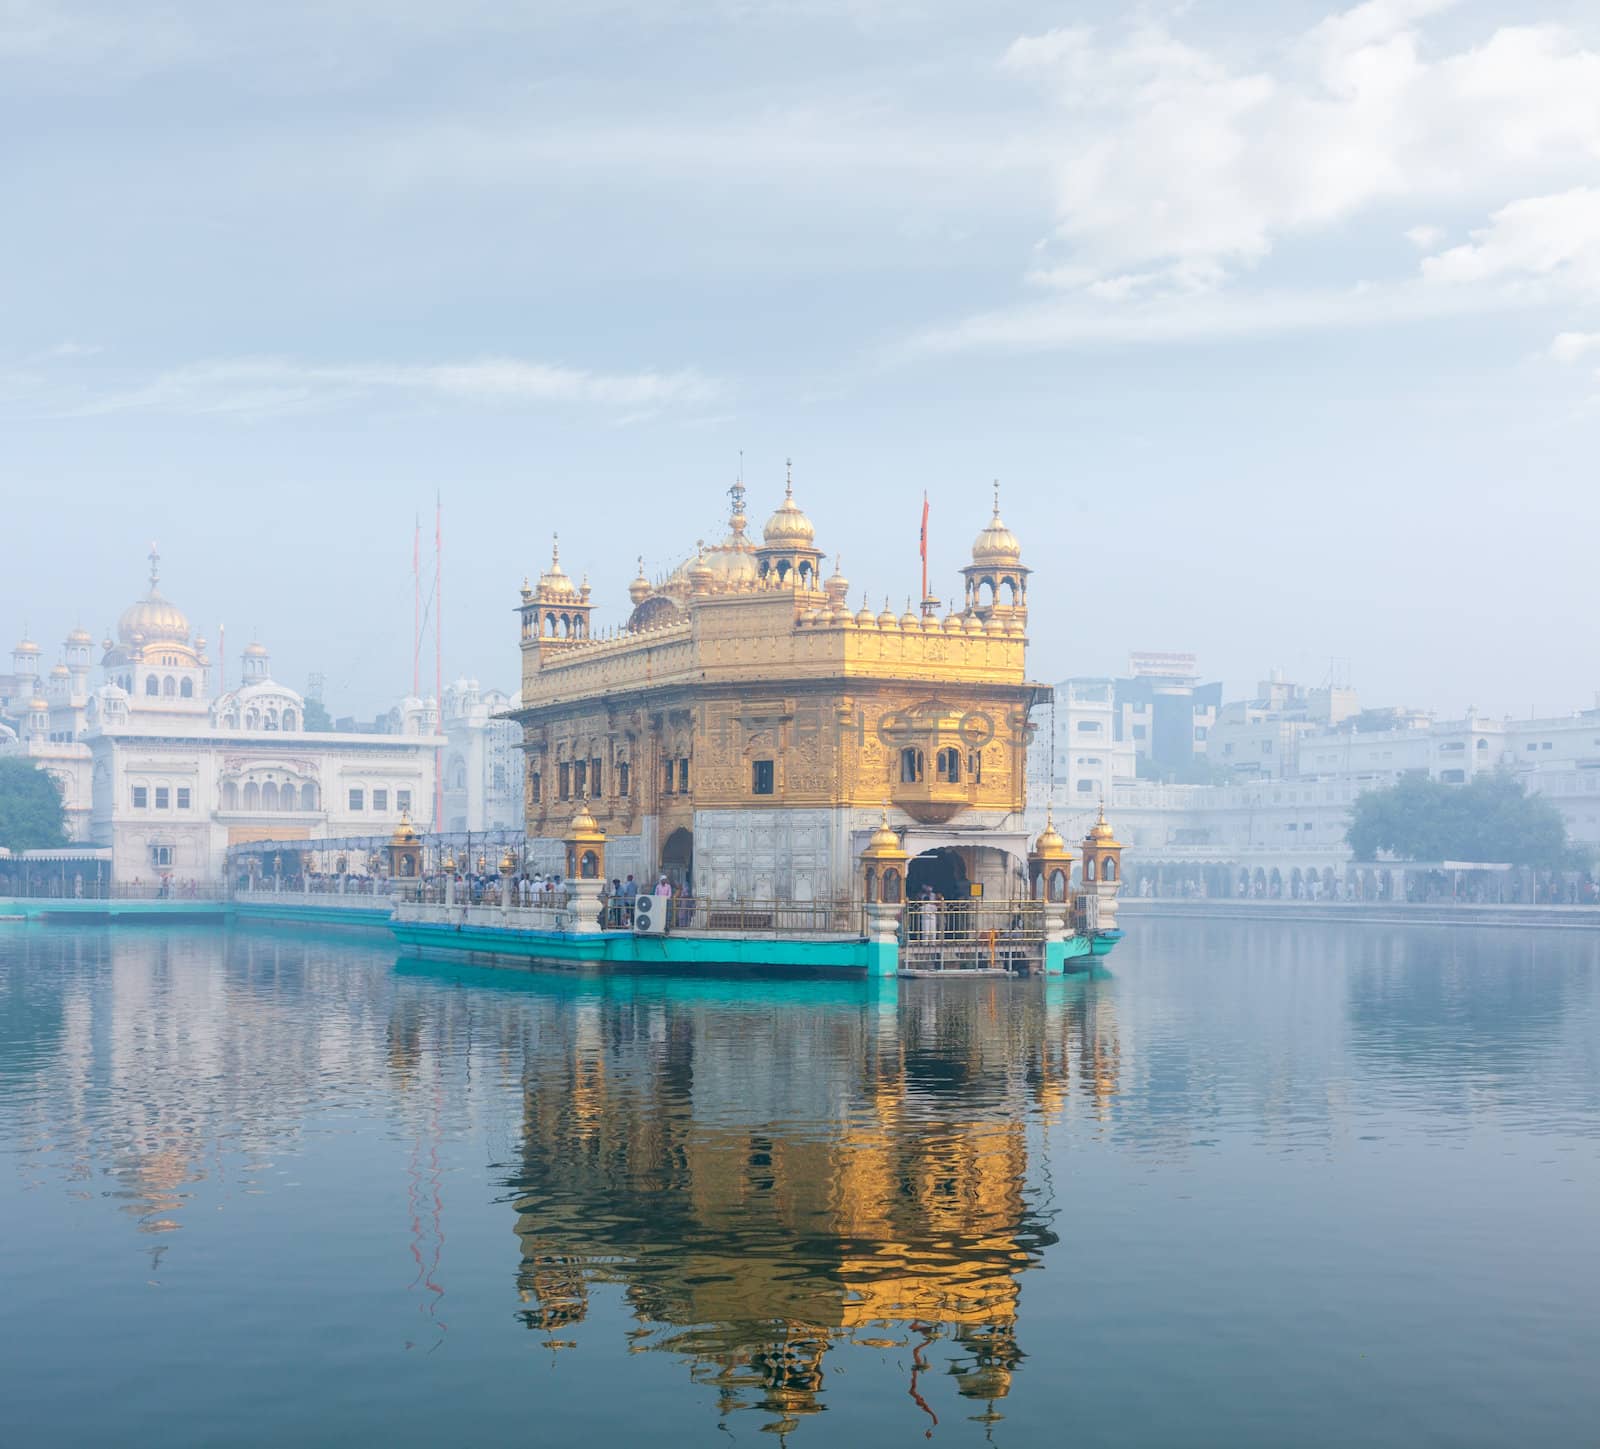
{"points": [[483, 760], [152, 765]]}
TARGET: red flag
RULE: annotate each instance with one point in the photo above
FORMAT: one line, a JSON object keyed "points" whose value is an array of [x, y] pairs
{"points": [[924, 545]]}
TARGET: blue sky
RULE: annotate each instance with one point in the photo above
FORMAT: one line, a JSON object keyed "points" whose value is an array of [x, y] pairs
{"points": [[1279, 323]]}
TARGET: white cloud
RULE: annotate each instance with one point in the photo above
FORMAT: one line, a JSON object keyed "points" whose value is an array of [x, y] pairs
{"points": [[1555, 237], [1574, 346], [1179, 170], [257, 387], [1089, 320], [1171, 154]]}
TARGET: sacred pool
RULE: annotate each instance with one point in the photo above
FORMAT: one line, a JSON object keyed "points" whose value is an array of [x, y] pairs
{"points": [[1262, 1183]]}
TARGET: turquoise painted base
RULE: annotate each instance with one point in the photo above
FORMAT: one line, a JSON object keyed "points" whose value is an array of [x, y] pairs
{"points": [[877, 960]]}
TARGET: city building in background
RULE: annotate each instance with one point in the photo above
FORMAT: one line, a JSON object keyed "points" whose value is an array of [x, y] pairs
{"points": [[1286, 766]]}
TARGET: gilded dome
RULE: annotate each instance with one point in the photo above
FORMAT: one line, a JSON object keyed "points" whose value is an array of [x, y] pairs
{"points": [[555, 581], [884, 842], [997, 545], [1049, 842], [733, 561], [1101, 834], [80, 636], [639, 589], [789, 527], [253, 650], [153, 620], [26, 646]]}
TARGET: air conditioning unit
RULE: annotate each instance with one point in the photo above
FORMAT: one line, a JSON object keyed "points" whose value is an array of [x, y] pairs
{"points": [[650, 915]]}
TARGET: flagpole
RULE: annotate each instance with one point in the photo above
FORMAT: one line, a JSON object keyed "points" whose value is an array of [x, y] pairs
{"points": [[924, 550]]}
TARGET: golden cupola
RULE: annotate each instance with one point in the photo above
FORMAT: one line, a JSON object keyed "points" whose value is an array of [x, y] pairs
{"points": [[554, 582], [788, 551], [997, 579], [639, 589]]}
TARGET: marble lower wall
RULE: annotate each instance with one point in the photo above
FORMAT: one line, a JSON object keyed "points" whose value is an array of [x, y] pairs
{"points": [[766, 855]]}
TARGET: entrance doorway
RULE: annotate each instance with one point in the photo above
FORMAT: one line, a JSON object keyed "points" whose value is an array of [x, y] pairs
{"points": [[677, 861], [944, 870]]}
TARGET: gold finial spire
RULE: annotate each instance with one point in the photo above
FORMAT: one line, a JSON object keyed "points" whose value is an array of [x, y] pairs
{"points": [[555, 550], [788, 477], [155, 565], [996, 497]]}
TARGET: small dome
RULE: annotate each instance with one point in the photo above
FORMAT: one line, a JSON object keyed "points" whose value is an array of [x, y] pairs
{"points": [[1101, 833], [639, 589], [555, 580], [838, 585], [1049, 841], [887, 620], [789, 527], [39, 705], [701, 574], [884, 842], [80, 636], [997, 545], [865, 618], [253, 650], [584, 826], [26, 646], [60, 671]]}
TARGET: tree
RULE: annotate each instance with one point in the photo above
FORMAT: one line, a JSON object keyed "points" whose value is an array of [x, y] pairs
{"points": [[31, 817], [1491, 818], [316, 717]]}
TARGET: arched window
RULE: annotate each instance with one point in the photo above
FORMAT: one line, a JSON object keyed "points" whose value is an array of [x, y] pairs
{"points": [[872, 883], [1056, 888], [252, 796], [1088, 870], [169, 687], [947, 766], [230, 795], [308, 796], [152, 686], [269, 796], [252, 720], [891, 886], [186, 689], [1110, 872], [288, 719], [910, 765]]}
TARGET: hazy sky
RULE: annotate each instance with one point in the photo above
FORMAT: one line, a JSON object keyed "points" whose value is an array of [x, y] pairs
{"points": [[1279, 324]]}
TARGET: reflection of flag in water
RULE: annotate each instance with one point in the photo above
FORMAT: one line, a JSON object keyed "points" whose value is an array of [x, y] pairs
{"points": [[924, 545]]}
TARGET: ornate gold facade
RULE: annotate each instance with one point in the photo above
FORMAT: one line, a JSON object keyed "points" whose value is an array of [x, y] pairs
{"points": [[744, 697]]}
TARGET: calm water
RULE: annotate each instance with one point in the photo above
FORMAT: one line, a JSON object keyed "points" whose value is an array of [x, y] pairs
{"points": [[1267, 1185]]}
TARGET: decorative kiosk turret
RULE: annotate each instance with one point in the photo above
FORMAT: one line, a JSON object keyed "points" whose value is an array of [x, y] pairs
{"points": [[1049, 880], [883, 882], [586, 871], [405, 851], [1102, 876]]}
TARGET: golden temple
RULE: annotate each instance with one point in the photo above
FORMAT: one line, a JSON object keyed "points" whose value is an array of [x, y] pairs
{"points": [[743, 730]]}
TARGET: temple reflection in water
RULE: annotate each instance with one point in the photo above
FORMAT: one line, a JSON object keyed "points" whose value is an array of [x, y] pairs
{"points": [[749, 1246]]}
